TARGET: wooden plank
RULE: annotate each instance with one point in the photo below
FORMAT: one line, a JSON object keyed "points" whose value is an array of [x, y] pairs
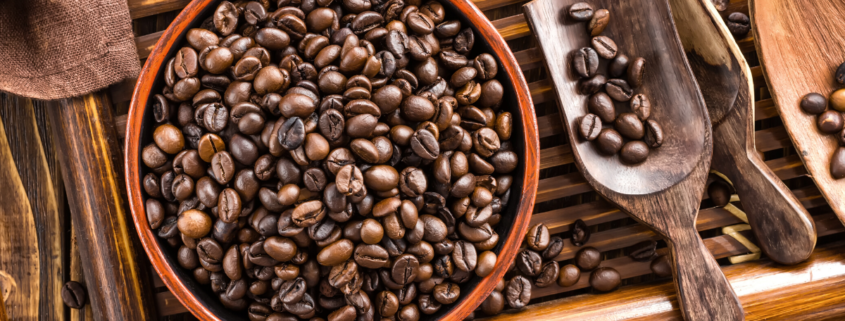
{"points": [[30, 159], [146, 8], [76, 274], [18, 239], [144, 44], [84, 131], [168, 304]]}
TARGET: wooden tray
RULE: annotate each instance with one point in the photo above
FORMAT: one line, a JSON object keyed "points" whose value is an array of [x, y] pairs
{"points": [[811, 290]]}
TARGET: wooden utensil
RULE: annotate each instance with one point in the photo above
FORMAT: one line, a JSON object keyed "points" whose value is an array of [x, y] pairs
{"points": [[663, 192], [784, 229], [800, 44]]}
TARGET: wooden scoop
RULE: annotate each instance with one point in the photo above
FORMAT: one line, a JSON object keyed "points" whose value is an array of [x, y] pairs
{"points": [[800, 44], [784, 229], [665, 191]]}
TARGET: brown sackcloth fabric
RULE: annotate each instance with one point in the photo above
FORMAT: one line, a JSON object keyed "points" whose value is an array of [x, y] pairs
{"points": [[62, 48]]}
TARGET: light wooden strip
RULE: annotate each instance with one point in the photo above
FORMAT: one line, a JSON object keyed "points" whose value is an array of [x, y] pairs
{"points": [[168, 304], [512, 27], [493, 4], [146, 8], [144, 44], [529, 58], [746, 45]]}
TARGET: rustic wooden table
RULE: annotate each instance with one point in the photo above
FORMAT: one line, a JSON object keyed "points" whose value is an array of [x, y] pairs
{"points": [[61, 166]]}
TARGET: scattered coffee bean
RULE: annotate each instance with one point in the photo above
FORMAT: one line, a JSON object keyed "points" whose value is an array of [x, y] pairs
{"points": [[605, 47], [739, 24], [618, 66], [581, 11], [588, 258], [619, 90], [837, 100], [643, 251], [580, 233], [609, 141], [837, 163], [830, 122], [605, 279], [74, 295], [599, 22], [641, 106], [634, 152], [661, 267], [636, 70], [537, 237], [585, 62], [720, 192], [569, 275], [601, 105], [653, 133], [518, 292]]}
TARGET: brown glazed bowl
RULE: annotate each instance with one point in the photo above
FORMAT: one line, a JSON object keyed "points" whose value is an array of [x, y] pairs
{"points": [[515, 218]]}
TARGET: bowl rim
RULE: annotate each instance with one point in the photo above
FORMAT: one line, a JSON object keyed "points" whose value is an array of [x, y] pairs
{"points": [[473, 299]]}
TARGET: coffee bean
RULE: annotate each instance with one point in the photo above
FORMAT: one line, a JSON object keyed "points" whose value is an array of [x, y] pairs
{"points": [[653, 133], [592, 85], [588, 258], [605, 47], [599, 22], [74, 295], [569, 275], [661, 267], [837, 163], [548, 275], [641, 106], [837, 100], [605, 279], [643, 251], [537, 237], [609, 141], [739, 24], [529, 262], [581, 11], [634, 152], [590, 127], [815, 103], [619, 90], [554, 248], [636, 70], [830, 122], [518, 292], [618, 66], [601, 105]]}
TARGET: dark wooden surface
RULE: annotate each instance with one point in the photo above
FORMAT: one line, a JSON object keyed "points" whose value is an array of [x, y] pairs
{"points": [[83, 129], [663, 192], [801, 44], [783, 228]]}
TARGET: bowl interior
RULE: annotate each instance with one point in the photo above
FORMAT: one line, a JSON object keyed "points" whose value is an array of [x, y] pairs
{"points": [[515, 216]]}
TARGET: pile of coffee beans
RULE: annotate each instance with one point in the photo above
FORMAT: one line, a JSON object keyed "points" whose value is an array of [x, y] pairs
{"points": [[632, 132], [831, 121], [335, 159]]}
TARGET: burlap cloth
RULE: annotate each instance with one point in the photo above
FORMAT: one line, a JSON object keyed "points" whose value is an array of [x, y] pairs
{"points": [[62, 48]]}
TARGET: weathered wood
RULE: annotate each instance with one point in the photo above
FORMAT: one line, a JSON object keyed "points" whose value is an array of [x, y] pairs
{"points": [[30, 160], [84, 133], [767, 290], [664, 192], [18, 239], [784, 229], [146, 8], [77, 275], [796, 68]]}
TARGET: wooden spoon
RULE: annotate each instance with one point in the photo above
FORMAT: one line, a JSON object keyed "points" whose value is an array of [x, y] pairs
{"points": [[663, 192], [800, 44], [784, 229]]}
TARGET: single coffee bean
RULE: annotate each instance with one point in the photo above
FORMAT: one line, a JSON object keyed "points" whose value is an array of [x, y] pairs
{"points": [[653, 133], [518, 292], [585, 62], [720, 193], [569, 275], [609, 141], [618, 66], [447, 293], [493, 304], [815, 103], [661, 267], [636, 70], [581, 11], [605, 279], [554, 248], [839, 76], [599, 22], [529, 262], [837, 100], [486, 263], [841, 138], [634, 152], [837, 163], [601, 105], [74, 295], [588, 258], [592, 85], [643, 251], [605, 47], [580, 233], [739, 24], [619, 90], [630, 126], [830, 122], [641, 106], [548, 275], [537, 237]]}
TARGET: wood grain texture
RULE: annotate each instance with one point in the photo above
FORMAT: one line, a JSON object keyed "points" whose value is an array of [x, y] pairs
{"points": [[145, 8], [30, 160], [784, 229], [76, 274], [796, 68], [767, 290], [84, 133], [664, 192], [509, 69], [18, 239]]}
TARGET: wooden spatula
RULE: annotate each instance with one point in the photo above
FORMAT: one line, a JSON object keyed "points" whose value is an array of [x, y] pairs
{"points": [[664, 191], [800, 44], [784, 229]]}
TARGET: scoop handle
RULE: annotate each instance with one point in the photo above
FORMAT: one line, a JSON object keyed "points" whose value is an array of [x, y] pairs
{"points": [[703, 291]]}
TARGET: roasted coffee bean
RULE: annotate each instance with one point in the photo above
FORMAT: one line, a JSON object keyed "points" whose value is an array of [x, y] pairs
{"points": [[601, 105], [554, 248], [74, 295], [589, 86], [609, 141], [588, 258], [598, 22], [590, 127], [641, 106], [837, 100], [464, 41], [581, 11], [634, 152], [605, 279], [619, 90], [815, 103], [837, 163], [518, 292], [643, 251], [661, 267], [605, 47], [830, 122], [653, 133], [548, 275], [618, 66], [529, 262], [537, 237], [739, 24], [569, 275], [636, 70], [630, 126], [585, 62]]}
